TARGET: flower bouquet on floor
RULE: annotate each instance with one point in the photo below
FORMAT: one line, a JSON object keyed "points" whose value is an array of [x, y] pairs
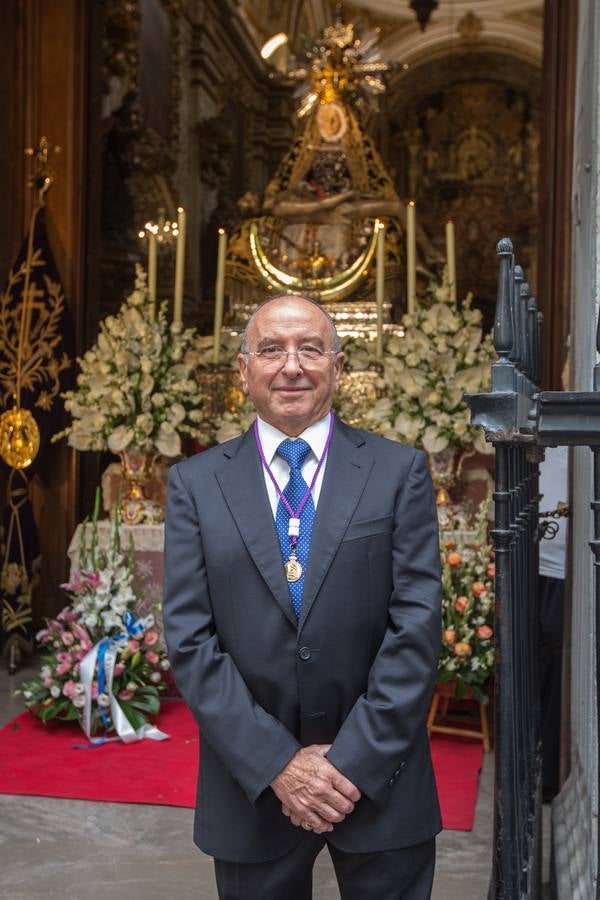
{"points": [[467, 657], [102, 664]]}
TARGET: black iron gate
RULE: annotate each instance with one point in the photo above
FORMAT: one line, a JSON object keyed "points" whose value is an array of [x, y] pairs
{"points": [[520, 421]]}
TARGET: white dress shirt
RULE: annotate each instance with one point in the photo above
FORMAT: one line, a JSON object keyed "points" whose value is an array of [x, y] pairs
{"points": [[270, 437]]}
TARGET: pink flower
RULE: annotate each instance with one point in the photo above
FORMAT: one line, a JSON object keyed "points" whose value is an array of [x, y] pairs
{"points": [[119, 669], [63, 667], [150, 638], [80, 632], [42, 635], [484, 632], [133, 646], [75, 585], [67, 638], [152, 657], [86, 645], [48, 682], [69, 688], [62, 656], [125, 695], [94, 689], [93, 579], [66, 615]]}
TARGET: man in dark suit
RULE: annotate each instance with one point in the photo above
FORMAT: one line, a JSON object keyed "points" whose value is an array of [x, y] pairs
{"points": [[302, 616]]}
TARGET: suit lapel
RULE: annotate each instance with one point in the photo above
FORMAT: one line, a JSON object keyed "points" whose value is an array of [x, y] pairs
{"points": [[348, 466], [243, 485]]}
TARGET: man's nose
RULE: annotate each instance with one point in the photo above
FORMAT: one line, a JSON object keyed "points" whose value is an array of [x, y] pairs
{"points": [[292, 366]]}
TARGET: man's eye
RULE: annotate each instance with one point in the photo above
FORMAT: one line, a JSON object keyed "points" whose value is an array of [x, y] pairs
{"points": [[310, 352], [271, 352]]}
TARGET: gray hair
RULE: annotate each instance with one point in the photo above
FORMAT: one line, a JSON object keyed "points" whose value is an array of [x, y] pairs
{"points": [[337, 346]]}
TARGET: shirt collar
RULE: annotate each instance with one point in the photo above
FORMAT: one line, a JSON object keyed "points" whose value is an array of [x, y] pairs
{"points": [[315, 436]]}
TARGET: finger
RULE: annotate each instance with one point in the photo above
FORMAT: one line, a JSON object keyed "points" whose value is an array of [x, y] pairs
{"points": [[330, 813], [285, 810], [345, 786], [317, 823], [322, 749]]}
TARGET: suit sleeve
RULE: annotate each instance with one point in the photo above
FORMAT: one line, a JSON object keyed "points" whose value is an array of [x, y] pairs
{"points": [[376, 737], [252, 744]]}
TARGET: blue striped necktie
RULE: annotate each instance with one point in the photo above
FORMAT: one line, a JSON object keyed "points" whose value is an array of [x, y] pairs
{"points": [[295, 453]]}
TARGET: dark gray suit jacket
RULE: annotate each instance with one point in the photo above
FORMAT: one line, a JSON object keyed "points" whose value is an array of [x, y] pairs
{"points": [[356, 671]]}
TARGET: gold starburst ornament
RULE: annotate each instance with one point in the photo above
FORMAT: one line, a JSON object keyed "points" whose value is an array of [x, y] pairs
{"points": [[19, 438]]}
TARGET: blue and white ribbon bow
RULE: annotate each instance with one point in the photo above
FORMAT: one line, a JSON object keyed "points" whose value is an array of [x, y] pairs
{"points": [[103, 656]]}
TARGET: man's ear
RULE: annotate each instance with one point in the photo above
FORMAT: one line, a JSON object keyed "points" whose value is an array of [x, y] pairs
{"points": [[243, 366], [339, 366]]}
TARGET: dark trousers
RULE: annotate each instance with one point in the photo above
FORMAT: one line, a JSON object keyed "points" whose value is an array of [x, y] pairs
{"points": [[405, 874]]}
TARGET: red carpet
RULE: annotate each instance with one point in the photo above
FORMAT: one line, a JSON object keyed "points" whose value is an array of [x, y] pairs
{"points": [[41, 760], [457, 763]]}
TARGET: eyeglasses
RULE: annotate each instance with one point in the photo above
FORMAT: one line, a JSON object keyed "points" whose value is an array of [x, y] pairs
{"points": [[306, 354]]}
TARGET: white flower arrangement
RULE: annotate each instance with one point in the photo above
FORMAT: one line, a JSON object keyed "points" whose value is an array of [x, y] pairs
{"points": [[136, 387], [442, 355]]}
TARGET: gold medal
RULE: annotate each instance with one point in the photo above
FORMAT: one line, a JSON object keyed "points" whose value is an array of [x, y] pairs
{"points": [[293, 569]]}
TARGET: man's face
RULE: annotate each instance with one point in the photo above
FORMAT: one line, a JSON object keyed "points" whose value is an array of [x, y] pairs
{"points": [[289, 394]]}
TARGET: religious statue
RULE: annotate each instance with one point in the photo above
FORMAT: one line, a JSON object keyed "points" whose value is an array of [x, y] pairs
{"points": [[315, 231]]}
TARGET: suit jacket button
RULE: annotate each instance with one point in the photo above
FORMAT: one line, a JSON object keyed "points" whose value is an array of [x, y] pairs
{"points": [[391, 782], [304, 653]]}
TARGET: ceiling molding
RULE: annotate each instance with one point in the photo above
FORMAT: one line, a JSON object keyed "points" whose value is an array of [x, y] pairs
{"points": [[515, 38]]}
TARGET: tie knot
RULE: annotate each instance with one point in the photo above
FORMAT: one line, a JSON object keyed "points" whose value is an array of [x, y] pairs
{"points": [[294, 452]]}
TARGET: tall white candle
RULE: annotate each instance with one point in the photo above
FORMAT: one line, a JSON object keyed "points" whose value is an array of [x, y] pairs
{"points": [[219, 295], [152, 265], [179, 267], [379, 286], [451, 258], [411, 257]]}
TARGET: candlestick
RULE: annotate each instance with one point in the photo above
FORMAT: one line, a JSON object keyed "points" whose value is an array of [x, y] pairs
{"points": [[219, 295], [179, 267], [379, 286], [451, 259], [152, 266], [411, 257]]}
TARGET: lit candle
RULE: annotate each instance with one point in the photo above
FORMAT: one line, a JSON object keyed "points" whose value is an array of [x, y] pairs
{"points": [[411, 257], [152, 269], [179, 267], [451, 259], [379, 286], [219, 295]]}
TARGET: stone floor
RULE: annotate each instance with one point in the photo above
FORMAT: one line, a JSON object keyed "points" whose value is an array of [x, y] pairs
{"points": [[78, 850]]}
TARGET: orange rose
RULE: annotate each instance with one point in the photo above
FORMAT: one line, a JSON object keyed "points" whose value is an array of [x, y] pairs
{"points": [[461, 604], [449, 545], [479, 588], [484, 632], [454, 560], [462, 649], [491, 570], [449, 636]]}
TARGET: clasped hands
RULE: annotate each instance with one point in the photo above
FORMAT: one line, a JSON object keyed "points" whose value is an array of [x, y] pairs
{"points": [[313, 792]]}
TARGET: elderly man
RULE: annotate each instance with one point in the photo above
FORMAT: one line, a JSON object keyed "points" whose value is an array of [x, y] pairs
{"points": [[302, 615]]}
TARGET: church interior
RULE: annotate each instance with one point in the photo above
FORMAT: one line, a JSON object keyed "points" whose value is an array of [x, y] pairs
{"points": [[167, 165]]}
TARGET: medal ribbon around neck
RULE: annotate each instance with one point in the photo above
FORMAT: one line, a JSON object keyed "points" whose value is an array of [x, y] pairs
{"points": [[293, 568]]}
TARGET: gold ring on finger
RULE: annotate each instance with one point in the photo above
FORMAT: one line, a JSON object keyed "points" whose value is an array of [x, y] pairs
{"points": [[306, 825]]}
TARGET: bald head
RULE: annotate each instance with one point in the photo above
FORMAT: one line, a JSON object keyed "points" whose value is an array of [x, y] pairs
{"points": [[293, 298]]}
